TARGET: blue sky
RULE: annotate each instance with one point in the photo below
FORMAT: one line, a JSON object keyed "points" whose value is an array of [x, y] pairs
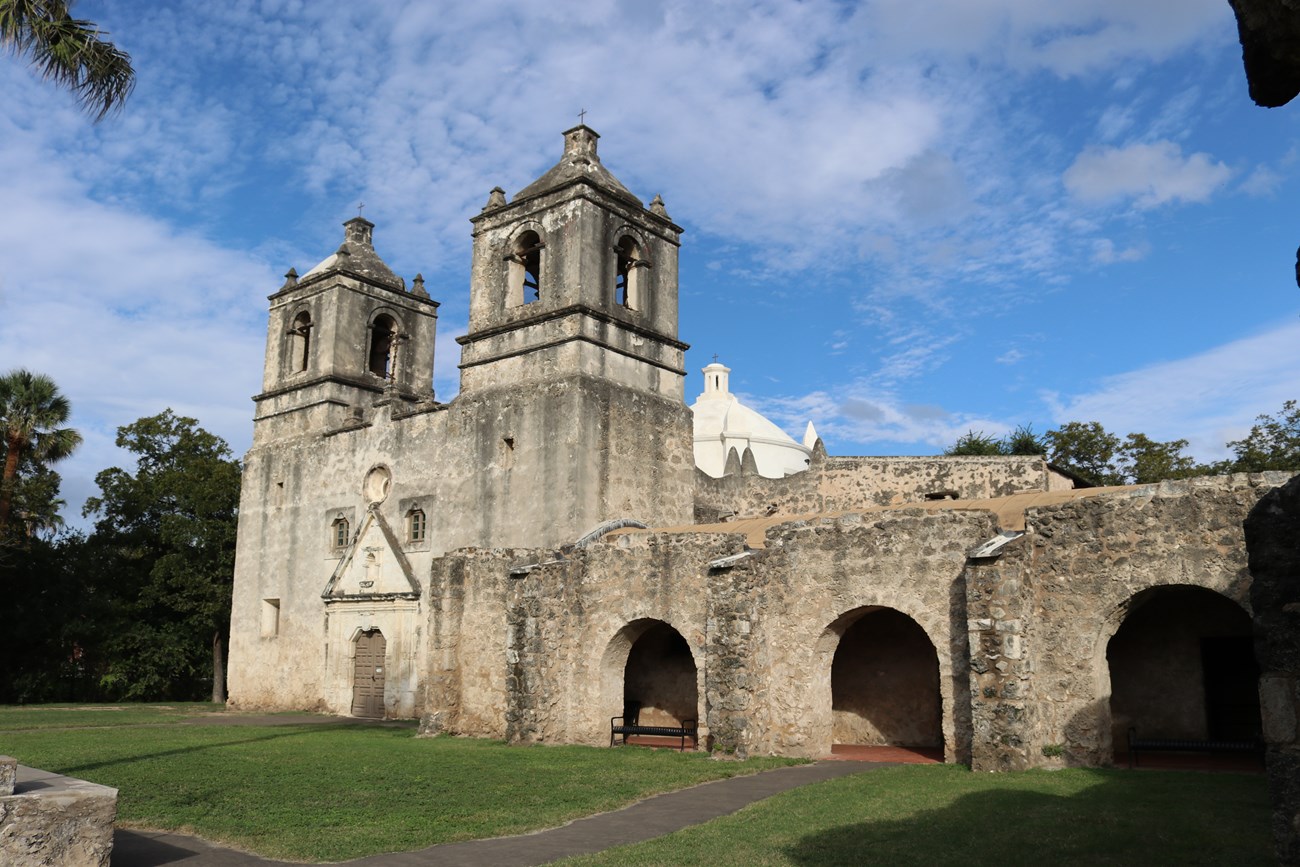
{"points": [[904, 220]]}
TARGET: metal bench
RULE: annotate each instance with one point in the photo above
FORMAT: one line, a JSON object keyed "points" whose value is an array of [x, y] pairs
{"points": [[1147, 745], [686, 730]]}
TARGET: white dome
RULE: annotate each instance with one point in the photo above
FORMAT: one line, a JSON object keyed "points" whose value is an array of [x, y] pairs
{"points": [[723, 423]]}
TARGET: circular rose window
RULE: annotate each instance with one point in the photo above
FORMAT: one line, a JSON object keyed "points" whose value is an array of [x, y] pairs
{"points": [[377, 483]]}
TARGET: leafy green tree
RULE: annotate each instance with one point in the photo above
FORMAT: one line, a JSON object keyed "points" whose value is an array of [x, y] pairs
{"points": [[1144, 460], [31, 412], [69, 52], [168, 529], [1088, 449], [1272, 444], [36, 501]]}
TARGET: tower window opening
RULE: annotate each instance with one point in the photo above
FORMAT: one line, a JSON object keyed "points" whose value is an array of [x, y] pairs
{"points": [[526, 269], [382, 337], [300, 342], [627, 282]]}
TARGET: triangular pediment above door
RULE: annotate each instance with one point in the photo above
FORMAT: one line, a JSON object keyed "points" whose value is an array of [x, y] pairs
{"points": [[373, 565]]}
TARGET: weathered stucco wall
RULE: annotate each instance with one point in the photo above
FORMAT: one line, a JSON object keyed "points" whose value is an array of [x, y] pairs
{"points": [[484, 477], [846, 483]]}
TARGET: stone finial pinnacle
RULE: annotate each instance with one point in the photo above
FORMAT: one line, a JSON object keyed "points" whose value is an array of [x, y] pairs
{"points": [[657, 207], [496, 199], [417, 286], [290, 278]]}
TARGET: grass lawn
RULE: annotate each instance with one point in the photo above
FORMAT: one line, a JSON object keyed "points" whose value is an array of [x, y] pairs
{"points": [[943, 814], [331, 792], [45, 716]]}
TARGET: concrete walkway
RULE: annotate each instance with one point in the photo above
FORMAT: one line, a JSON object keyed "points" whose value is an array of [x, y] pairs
{"points": [[653, 817]]}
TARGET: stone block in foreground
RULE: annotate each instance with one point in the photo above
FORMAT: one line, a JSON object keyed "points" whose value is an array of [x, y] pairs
{"points": [[47, 820]]}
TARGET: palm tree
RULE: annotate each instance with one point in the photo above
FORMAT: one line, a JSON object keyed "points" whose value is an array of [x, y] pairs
{"points": [[31, 410], [68, 51]]}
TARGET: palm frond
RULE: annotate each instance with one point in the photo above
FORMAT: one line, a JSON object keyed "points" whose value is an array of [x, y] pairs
{"points": [[69, 52]]}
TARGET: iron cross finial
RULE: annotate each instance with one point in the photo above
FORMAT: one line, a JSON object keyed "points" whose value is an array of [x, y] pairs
{"points": [[360, 207], [582, 117], [715, 358]]}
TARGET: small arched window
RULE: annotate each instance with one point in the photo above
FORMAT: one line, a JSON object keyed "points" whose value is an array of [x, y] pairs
{"points": [[630, 262], [383, 334], [300, 342], [339, 533], [525, 276], [416, 525]]}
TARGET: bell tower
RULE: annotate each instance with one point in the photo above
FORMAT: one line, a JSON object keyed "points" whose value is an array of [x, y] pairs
{"points": [[571, 372], [344, 336], [574, 275]]}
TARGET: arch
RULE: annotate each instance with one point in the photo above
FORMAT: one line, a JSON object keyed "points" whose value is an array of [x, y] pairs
{"points": [[383, 345], [524, 280], [299, 340], [649, 670], [1181, 664], [882, 681], [629, 272]]}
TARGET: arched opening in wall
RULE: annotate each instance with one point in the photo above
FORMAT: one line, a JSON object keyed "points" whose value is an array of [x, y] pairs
{"points": [[368, 674], [383, 333], [525, 272], [649, 670], [630, 263], [885, 683], [1182, 666], [300, 342]]}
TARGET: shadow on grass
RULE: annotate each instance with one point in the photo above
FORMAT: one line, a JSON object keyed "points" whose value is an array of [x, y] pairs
{"points": [[1121, 820], [194, 748]]}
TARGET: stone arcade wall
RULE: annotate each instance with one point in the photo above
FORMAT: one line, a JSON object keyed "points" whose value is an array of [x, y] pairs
{"points": [[1042, 614], [762, 630], [846, 483]]}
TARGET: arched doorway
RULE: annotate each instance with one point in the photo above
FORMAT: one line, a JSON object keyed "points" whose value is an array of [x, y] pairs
{"points": [[659, 678], [885, 682], [368, 675], [1182, 665]]}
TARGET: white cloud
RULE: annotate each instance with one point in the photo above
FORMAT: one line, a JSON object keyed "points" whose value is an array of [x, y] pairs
{"points": [[1262, 182], [1150, 173], [1207, 398], [1104, 252]]}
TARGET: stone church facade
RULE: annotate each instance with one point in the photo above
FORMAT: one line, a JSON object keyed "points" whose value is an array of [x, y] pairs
{"points": [[540, 553]]}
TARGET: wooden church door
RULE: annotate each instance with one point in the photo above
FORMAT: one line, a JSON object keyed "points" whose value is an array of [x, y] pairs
{"points": [[368, 675]]}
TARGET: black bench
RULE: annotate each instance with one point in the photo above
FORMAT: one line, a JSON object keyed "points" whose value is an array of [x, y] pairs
{"points": [[1147, 745], [686, 730]]}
